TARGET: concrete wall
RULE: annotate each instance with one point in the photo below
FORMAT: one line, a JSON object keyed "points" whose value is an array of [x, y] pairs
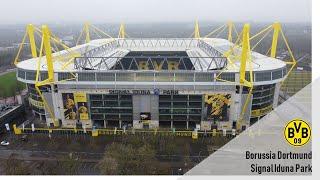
{"points": [[145, 103], [276, 94]]}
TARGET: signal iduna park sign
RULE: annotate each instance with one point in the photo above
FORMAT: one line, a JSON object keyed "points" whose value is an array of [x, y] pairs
{"points": [[145, 92]]}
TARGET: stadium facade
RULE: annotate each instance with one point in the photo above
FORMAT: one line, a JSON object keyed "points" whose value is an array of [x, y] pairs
{"points": [[181, 83]]}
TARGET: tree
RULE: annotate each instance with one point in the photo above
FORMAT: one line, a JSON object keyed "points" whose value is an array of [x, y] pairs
{"points": [[124, 159], [146, 160], [69, 164], [108, 166], [169, 147], [14, 166], [187, 161], [20, 87], [46, 168]]}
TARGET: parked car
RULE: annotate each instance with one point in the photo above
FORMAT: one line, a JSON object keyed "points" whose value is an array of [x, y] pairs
{"points": [[5, 143], [24, 138]]}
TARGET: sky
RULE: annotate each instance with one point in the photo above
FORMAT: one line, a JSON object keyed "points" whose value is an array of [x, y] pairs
{"points": [[139, 11]]}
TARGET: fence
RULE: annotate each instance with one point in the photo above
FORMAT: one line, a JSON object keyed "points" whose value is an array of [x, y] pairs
{"points": [[118, 132]]}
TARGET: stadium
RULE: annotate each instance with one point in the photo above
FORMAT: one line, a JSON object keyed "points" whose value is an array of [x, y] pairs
{"points": [[199, 83]]}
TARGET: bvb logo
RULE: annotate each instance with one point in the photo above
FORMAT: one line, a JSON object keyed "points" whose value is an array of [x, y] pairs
{"points": [[297, 132]]}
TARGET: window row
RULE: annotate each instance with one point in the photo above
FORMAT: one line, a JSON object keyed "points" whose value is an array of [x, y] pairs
{"points": [[151, 76]]}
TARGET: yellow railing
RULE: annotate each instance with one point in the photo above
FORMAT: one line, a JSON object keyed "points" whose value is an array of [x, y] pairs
{"points": [[261, 112], [97, 132], [36, 103]]}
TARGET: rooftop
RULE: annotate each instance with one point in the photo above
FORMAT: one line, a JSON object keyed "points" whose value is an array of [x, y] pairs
{"points": [[205, 54]]}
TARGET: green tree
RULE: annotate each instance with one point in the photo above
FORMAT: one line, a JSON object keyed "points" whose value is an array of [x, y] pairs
{"points": [[20, 87]]}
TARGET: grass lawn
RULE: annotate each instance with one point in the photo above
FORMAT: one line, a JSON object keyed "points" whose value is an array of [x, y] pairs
{"points": [[9, 83]]}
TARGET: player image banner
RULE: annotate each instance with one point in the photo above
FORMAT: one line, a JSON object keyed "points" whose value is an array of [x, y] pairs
{"points": [[217, 106], [70, 109], [81, 100]]}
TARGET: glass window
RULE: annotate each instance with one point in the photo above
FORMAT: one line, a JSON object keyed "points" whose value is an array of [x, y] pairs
{"points": [[227, 76], [31, 76], [204, 77], [105, 77], [277, 74], [164, 77], [144, 76], [86, 76], [95, 96], [21, 74], [43, 76], [65, 76], [125, 76], [284, 71], [96, 103], [184, 77], [263, 76], [96, 116]]}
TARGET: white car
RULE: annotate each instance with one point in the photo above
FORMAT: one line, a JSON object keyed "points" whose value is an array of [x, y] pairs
{"points": [[4, 143]]}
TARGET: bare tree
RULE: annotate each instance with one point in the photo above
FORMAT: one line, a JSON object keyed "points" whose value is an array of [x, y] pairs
{"points": [[108, 166], [69, 165], [124, 159], [14, 166]]}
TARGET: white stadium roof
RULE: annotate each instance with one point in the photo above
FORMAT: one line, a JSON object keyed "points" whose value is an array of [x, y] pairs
{"points": [[100, 48]]}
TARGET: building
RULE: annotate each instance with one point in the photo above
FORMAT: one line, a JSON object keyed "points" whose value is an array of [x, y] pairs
{"points": [[181, 83]]}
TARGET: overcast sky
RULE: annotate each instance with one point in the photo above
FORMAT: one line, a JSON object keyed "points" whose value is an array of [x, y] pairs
{"points": [[132, 11]]}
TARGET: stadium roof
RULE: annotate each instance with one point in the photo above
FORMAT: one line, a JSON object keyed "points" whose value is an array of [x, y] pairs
{"points": [[200, 51]]}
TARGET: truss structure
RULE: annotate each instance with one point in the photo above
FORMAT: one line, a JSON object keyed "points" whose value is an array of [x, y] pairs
{"points": [[116, 63]]}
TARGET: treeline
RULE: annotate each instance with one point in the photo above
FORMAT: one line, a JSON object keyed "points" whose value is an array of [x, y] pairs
{"points": [[6, 58]]}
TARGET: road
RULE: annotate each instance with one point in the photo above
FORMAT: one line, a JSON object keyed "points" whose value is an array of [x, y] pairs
{"points": [[88, 160], [37, 155], [7, 71], [86, 166]]}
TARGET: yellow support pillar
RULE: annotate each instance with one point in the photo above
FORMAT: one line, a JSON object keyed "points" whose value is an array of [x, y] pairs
{"points": [[87, 31], [16, 130], [214, 132], [196, 30], [30, 30], [48, 50], [245, 55], [276, 30], [95, 133], [194, 135], [122, 31], [230, 26]]}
